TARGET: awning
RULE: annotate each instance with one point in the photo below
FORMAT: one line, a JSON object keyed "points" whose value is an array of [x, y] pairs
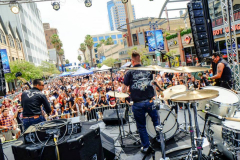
{"points": [[126, 65]]}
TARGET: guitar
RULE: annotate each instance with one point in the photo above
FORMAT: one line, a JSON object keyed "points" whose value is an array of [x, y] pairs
{"points": [[18, 76]]}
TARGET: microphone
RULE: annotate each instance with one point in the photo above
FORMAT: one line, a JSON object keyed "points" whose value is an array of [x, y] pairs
{"points": [[213, 115]]}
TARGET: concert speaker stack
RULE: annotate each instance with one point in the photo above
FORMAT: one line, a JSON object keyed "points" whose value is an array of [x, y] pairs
{"points": [[201, 26], [110, 116], [82, 146], [2, 79]]}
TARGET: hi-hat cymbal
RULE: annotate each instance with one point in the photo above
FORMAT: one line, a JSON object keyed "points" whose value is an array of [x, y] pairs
{"points": [[186, 69], [173, 90], [117, 94], [196, 95]]}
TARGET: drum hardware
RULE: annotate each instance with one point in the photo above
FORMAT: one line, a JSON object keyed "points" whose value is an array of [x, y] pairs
{"points": [[150, 151], [159, 129], [191, 97], [120, 118]]}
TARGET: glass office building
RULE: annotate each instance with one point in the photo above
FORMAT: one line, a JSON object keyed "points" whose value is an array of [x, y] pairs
{"points": [[117, 15], [30, 27]]}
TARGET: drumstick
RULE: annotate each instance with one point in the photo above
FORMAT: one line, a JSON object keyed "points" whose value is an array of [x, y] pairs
{"points": [[232, 119]]}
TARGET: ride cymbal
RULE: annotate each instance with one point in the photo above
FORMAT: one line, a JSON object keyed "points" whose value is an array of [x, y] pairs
{"points": [[188, 69], [153, 68], [196, 95]]}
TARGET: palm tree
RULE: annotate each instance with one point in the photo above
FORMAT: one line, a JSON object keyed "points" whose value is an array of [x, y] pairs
{"points": [[109, 41], [60, 54], [89, 43], [79, 58], [83, 49], [57, 45], [67, 61]]}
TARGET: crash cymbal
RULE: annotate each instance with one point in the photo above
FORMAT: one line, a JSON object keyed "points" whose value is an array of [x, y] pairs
{"points": [[195, 95], [173, 90], [187, 69], [117, 94], [152, 68]]}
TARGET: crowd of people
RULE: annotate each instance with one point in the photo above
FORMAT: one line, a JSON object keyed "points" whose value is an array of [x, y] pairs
{"points": [[85, 96]]}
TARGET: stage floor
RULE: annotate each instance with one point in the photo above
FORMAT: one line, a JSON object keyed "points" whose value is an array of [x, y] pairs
{"points": [[180, 141]]}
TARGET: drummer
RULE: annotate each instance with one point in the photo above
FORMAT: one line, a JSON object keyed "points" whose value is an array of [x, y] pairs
{"points": [[142, 96]]}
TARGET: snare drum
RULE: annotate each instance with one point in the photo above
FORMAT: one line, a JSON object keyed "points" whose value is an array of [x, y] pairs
{"points": [[224, 105], [170, 127], [231, 134]]}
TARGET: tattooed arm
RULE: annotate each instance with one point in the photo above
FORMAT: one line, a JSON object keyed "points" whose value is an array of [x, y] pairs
{"points": [[124, 88], [220, 68]]}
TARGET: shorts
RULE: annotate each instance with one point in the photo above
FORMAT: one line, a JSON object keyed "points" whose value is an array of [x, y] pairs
{"points": [[66, 112], [8, 134]]}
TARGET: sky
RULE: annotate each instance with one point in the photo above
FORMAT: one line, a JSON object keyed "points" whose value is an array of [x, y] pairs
{"points": [[74, 21]]}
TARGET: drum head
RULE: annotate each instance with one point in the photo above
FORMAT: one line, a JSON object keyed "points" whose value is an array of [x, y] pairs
{"points": [[225, 95], [232, 125], [170, 127]]}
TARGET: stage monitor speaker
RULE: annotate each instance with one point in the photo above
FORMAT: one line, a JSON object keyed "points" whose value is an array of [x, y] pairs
{"points": [[110, 116], [108, 147], [83, 146]]}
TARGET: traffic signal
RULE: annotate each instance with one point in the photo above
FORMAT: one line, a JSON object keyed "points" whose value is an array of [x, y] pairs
{"points": [[201, 29]]}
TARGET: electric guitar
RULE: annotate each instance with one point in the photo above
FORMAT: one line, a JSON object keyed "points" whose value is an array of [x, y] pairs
{"points": [[18, 76]]}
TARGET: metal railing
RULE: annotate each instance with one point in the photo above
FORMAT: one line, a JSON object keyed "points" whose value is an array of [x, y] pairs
{"points": [[96, 114], [218, 21]]}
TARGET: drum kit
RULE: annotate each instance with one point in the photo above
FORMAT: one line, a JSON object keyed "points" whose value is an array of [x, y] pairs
{"points": [[216, 104]]}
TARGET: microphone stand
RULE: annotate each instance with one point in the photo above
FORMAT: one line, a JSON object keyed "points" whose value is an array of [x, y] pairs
{"points": [[120, 122]]}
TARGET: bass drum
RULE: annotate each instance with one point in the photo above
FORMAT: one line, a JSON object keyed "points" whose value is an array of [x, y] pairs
{"points": [[224, 105], [170, 127]]}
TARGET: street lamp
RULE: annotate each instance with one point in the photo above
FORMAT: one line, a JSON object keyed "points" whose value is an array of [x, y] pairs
{"points": [[14, 8], [154, 26]]}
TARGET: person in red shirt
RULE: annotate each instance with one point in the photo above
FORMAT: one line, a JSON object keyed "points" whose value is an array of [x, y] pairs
{"points": [[8, 125]]}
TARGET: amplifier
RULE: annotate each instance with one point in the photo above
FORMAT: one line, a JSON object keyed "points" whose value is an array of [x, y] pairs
{"points": [[30, 134]]}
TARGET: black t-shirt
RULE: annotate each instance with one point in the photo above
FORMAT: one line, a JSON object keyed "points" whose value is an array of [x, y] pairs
{"points": [[140, 84], [103, 102]]}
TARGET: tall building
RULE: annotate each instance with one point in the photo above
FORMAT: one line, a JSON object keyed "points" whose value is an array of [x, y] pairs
{"points": [[30, 29], [48, 34], [117, 14]]}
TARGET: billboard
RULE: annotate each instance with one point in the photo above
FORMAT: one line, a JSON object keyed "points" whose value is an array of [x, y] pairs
{"points": [[5, 62], [151, 40]]}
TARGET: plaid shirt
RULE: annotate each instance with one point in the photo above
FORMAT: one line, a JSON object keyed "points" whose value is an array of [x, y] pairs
{"points": [[6, 121]]}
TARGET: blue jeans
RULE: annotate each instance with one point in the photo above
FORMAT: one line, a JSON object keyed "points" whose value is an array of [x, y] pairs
{"points": [[139, 111], [30, 121]]}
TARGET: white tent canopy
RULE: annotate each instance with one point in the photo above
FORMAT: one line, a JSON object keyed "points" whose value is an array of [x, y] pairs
{"points": [[82, 71], [104, 67]]}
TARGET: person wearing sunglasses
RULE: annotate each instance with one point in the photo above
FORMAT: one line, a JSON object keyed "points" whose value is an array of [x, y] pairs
{"points": [[32, 100]]}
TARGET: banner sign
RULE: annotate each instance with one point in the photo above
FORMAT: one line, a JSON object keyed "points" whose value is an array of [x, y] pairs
{"points": [[5, 62], [151, 40]]}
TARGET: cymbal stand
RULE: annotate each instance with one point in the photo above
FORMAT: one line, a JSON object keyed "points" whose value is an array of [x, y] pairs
{"points": [[173, 106], [159, 129], [213, 150], [199, 140]]}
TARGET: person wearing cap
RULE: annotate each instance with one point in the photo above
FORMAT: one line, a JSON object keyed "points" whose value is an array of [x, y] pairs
{"points": [[222, 72]]}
